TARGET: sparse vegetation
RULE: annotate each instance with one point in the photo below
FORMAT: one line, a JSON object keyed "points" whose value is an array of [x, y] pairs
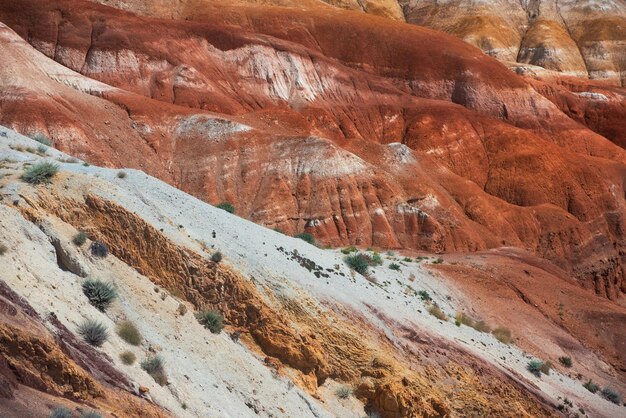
{"points": [[377, 260], [121, 174], [545, 367], [128, 357], [216, 257], [42, 172], [611, 395], [394, 266], [502, 334], [99, 249], [99, 293], [343, 392], [42, 139], [591, 386], [155, 367], [129, 332], [424, 296], [211, 320], [407, 259], [305, 236], [80, 238], [480, 326], [93, 332], [436, 311], [349, 250], [228, 207], [90, 414], [438, 261], [42, 150], [566, 361], [357, 262], [61, 412], [182, 309], [534, 366], [3, 249]]}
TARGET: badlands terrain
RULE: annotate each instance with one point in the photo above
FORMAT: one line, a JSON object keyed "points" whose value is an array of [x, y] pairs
{"points": [[456, 171]]}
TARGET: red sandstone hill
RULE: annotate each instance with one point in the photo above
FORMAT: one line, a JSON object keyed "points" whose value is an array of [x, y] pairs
{"points": [[359, 129]]}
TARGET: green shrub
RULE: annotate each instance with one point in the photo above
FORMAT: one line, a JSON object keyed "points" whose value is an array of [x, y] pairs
{"points": [[94, 332], [80, 238], [305, 236], [591, 387], [42, 149], [41, 172], [424, 296], [61, 412], [343, 392], [42, 139], [349, 250], [502, 334], [228, 207], [407, 259], [211, 320], [611, 395], [436, 311], [3, 249], [121, 174], [90, 414], [128, 357], [566, 361], [129, 332], [534, 366], [99, 249], [99, 293], [377, 260], [216, 257], [358, 262], [155, 367], [394, 266]]}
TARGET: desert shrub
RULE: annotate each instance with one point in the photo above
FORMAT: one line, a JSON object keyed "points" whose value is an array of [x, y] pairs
{"points": [[3, 249], [481, 326], [545, 367], [129, 332], [211, 320], [182, 309], [41, 172], [502, 334], [349, 250], [99, 293], [591, 387], [42, 149], [407, 259], [437, 313], [121, 174], [424, 296], [377, 260], [94, 332], [99, 249], [305, 236], [128, 357], [438, 261], [394, 266], [80, 238], [357, 262], [611, 395], [155, 367], [566, 361], [90, 414], [343, 392], [228, 207], [61, 412], [216, 257], [42, 139], [534, 366]]}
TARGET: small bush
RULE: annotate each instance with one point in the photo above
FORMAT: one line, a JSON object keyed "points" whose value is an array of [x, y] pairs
{"points": [[394, 266], [481, 326], [129, 333], [90, 414], [121, 174], [42, 139], [407, 259], [424, 296], [343, 392], [534, 366], [228, 207], [377, 260], [216, 257], [438, 261], [3, 249], [155, 367], [42, 149], [611, 395], [358, 263], [94, 332], [99, 293], [545, 367], [128, 357], [42, 172], [502, 334], [61, 412], [211, 320], [591, 387], [349, 250], [99, 249], [437, 313], [305, 236], [566, 361], [80, 238]]}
